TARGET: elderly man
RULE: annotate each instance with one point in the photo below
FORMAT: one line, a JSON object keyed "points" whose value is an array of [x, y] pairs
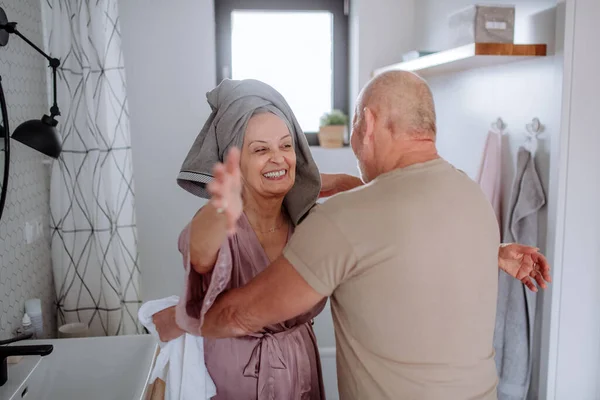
{"points": [[410, 261]]}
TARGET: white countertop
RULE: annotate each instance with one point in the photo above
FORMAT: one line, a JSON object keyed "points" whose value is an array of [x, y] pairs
{"points": [[18, 374], [97, 368]]}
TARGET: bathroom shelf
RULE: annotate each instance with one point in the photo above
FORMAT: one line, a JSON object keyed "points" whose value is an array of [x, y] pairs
{"points": [[466, 57]]}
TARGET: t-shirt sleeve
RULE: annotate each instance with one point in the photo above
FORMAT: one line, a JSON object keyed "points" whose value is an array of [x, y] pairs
{"points": [[320, 252]]}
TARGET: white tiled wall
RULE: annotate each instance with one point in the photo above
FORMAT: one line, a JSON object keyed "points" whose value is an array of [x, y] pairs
{"points": [[25, 269]]}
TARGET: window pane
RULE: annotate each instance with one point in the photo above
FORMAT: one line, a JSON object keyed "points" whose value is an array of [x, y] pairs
{"points": [[291, 51]]}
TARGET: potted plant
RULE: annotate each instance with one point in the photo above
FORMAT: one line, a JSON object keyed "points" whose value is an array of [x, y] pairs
{"points": [[333, 129]]}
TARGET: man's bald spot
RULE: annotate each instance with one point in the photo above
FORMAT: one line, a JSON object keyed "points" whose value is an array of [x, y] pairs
{"points": [[404, 99]]}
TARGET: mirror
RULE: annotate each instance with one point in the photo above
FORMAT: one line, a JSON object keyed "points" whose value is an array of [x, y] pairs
{"points": [[4, 129], [3, 33], [4, 150]]}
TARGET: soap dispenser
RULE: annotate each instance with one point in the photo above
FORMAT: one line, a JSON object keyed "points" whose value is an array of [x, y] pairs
{"points": [[26, 326]]}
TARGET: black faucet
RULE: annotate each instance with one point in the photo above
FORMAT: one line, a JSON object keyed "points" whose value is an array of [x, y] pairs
{"points": [[30, 350]]}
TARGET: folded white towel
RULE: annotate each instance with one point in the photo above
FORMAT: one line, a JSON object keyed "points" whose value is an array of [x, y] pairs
{"points": [[180, 362]]}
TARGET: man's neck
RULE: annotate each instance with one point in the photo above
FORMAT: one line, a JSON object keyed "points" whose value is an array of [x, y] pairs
{"points": [[410, 153]]}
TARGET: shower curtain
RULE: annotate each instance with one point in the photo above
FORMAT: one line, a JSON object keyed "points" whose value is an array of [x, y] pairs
{"points": [[94, 240]]}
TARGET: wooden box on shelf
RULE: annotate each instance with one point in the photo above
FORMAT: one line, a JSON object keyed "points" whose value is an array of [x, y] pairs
{"points": [[482, 24]]}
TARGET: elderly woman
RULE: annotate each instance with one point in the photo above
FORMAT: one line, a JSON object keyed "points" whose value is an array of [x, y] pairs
{"points": [[245, 225]]}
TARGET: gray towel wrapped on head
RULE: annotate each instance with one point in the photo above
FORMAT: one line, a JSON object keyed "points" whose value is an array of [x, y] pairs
{"points": [[233, 103]]}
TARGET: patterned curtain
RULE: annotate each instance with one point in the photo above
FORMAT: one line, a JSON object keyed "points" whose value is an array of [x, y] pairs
{"points": [[94, 240]]}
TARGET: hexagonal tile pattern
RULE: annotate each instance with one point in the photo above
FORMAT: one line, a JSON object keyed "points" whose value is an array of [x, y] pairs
{"points": [[25, 269]]}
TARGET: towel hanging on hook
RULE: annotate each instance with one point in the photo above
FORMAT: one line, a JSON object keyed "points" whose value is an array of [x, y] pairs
{"points": [[490, 170], [534, 128], [499, 125]]}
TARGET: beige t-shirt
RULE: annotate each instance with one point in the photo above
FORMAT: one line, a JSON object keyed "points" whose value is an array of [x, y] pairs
{"points": [[410, 262]]}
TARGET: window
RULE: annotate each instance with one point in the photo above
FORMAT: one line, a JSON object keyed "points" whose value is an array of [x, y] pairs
{"points": [[297, 46]]}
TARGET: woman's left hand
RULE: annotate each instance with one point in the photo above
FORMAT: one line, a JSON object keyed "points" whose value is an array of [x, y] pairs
{"points": [[336, 183], [329, 185], [526, 264]]}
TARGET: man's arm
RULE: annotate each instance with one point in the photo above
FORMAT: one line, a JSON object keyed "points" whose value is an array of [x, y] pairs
{"points": [[276, 294]]}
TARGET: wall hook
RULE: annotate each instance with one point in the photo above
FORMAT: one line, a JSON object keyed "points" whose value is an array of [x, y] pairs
{"points": [[535, 127], [499, 125]]}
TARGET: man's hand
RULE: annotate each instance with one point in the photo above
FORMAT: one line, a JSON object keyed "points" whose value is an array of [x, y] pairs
{"points": [[524, 263], [335, 183], [165, 324]]}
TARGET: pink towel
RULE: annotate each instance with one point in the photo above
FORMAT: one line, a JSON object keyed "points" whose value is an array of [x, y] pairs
{"points": [[490, 172]]}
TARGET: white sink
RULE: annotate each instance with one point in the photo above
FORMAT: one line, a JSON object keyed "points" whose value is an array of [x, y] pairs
{"points": [[100, 368]]}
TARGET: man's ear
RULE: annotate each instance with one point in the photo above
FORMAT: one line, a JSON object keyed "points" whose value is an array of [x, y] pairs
{"points": [[369, 131]]}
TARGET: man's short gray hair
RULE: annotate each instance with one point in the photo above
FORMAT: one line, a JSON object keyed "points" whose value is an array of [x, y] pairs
{"points": [[405, 99]]}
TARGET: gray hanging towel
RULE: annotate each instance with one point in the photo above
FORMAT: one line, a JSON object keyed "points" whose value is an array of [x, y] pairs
{"points": [[515, 316], [233, 103]]}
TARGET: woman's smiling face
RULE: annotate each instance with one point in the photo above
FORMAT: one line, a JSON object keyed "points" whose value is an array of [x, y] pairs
{"points": [[268, 158]]}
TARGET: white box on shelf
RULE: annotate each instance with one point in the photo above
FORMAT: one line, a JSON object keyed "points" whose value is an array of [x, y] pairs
{"points": [[482, 24]]}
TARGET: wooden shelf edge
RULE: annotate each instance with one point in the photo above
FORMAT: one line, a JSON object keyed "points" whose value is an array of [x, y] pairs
{"points": [[466, 52], [508, 49]]}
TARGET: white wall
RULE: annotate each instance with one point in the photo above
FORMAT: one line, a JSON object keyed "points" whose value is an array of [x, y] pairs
{"points": [[541, 378], [353, 55], [574, 342], [380, 32], [170, 65]]}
